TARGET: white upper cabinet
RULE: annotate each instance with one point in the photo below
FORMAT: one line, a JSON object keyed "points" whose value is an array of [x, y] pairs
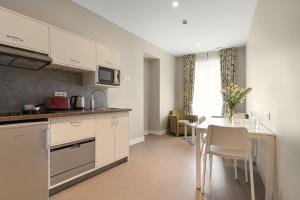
{"points": [[72, 50], [108, 57], [23, 32]]}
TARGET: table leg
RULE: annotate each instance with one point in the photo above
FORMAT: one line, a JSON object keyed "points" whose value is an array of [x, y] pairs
{"points": [[185, 131], [270, 168], [198, 160], [193, 135]]}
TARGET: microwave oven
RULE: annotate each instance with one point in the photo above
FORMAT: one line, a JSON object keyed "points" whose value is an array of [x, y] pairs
{"points": [[108, 76]]}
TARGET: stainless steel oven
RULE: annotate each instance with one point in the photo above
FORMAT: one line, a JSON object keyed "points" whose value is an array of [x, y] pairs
{"points": [[108, 76]]}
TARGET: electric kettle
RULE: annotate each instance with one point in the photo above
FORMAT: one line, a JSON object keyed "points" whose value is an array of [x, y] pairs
{"points": [[77, 102]]}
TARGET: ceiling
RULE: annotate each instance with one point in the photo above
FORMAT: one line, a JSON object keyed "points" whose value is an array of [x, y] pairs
{"points": [[211, 23]]}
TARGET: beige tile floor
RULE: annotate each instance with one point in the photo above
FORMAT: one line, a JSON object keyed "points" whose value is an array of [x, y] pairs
{"points": [[162, 168]]}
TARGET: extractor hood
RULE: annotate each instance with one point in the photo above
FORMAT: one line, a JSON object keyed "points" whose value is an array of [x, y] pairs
{"points": [[21, 58]]}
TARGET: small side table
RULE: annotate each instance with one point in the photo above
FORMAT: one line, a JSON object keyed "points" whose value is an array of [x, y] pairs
{"points": [[193, 125]]}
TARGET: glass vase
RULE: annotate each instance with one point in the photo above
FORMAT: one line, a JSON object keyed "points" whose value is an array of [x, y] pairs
{"points": [[230, 114]]}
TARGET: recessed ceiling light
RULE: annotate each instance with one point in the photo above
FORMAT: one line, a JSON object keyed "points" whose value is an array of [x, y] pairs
{"points": [[184, 21], [198, 44], [175, 4]]}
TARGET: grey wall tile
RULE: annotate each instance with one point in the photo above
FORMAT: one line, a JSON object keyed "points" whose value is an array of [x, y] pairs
{"points": [[21, 86]]}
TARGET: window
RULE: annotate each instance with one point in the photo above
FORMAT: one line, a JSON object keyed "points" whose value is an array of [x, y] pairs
{"points": [[207, 100]]}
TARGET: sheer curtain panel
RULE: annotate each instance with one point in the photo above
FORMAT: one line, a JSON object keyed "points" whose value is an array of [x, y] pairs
{"points": [[207, 99]]}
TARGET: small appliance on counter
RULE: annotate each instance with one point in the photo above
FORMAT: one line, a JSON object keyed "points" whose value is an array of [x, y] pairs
{"points": [[77, 102], [58, 103], [31, 109]]}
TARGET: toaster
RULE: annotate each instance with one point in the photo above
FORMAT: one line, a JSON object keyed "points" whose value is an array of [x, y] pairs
{"points": [[58, 103]]}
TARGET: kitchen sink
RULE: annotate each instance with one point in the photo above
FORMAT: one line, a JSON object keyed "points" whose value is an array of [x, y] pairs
{"points": [[106, 108]]}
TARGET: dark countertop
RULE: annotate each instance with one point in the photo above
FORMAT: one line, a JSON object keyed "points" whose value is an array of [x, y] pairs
{"points": [[56, 114]]}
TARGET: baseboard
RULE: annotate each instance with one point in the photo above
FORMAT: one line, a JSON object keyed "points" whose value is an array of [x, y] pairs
{"points": [[84, 177], [162, 132], [136, 141], [146, 132]]}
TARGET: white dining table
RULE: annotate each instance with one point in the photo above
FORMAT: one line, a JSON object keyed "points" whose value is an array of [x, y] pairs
{"points": [[257, 131]]}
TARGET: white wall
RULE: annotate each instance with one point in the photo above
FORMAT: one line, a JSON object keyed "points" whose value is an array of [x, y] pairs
{"points": [[241, 74], [179, 83], [76, 19], [151, 95], [147, 95], [273, 71]]}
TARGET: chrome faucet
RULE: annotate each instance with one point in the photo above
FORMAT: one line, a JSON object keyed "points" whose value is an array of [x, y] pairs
{"points": [[92, 105]]}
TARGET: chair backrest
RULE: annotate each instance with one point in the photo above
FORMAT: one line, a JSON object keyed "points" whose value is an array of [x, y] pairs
{"points": [[179, 113], [202, 119], [236, 138]]}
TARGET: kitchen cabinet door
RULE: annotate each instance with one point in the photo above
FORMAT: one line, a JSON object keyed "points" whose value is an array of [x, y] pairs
{"points": [[23, 32], [105, 140], [72, 50], [121, 136], [116, 59], [108, 57]]}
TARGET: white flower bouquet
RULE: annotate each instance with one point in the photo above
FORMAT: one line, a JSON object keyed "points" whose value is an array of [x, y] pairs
{"points": [[234, 95]]}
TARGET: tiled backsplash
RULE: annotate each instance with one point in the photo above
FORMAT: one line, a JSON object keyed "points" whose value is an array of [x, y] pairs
{"points": [[21, 86]]}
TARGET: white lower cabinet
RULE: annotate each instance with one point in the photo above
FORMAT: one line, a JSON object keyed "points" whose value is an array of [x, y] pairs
{"points": [[111, 138], [121, 136], [110, 130], [105, 140]]}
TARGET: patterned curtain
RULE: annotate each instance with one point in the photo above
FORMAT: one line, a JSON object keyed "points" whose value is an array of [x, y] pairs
{"points": [[228, 75], [189, 78]]}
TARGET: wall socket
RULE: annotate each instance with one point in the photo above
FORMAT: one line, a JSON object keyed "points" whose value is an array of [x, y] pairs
{"points": [[126, 77], [267, 115], [61, 94]]}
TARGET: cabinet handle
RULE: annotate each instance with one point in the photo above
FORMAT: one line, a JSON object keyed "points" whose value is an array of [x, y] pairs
{"points": [[14, 38], [75, 123], [48, 139], [73, 60], [117, 121], [75, 146], [112, 121]]}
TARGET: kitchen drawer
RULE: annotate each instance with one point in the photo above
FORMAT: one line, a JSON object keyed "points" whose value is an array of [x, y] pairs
{"points": [[72, 173], [65, 130], [23, 32], [71, 156]]}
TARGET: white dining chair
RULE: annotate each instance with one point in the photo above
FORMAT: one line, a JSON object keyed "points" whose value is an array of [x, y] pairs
{"points": [[236, 116], [231, 143]]}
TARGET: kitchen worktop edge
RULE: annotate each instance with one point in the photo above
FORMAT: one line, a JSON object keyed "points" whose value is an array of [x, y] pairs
{"points": [[61, 114]]}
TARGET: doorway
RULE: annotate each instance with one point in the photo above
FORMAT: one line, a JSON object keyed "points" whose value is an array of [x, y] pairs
{"points": [[151, 95]]}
